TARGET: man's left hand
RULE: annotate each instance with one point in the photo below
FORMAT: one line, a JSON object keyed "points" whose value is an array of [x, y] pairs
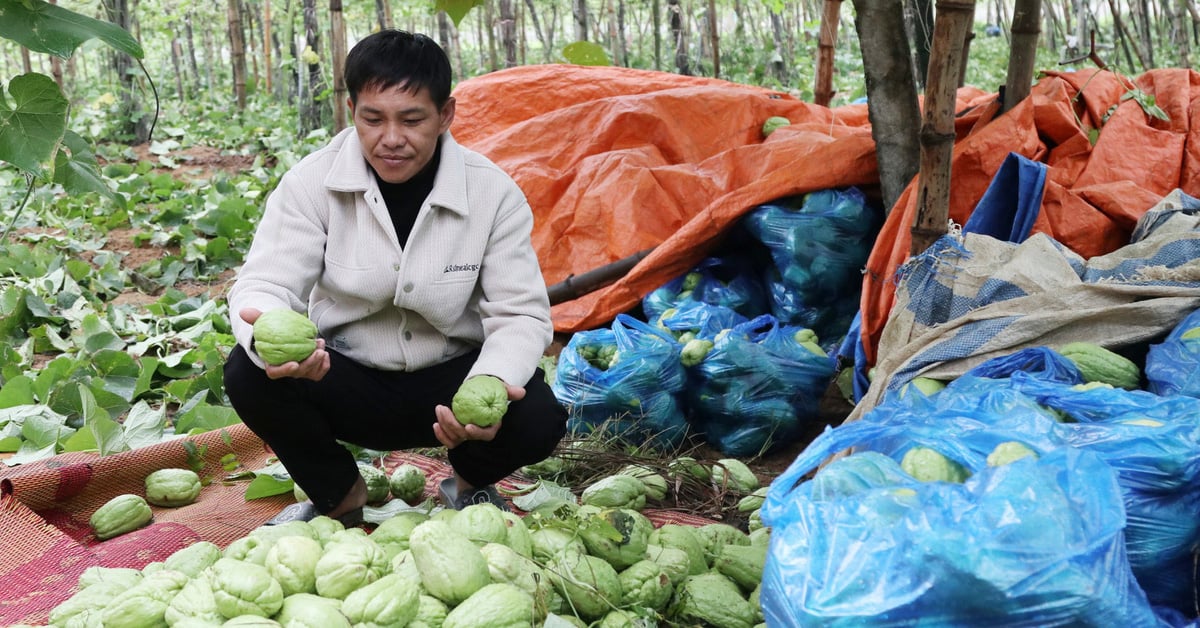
{"points": [[451, 433]]}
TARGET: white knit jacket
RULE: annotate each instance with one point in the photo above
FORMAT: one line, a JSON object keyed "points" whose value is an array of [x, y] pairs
{"points": [[467, 277]]}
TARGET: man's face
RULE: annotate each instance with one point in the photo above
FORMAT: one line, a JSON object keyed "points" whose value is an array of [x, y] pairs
{"points": [[399, 129]]}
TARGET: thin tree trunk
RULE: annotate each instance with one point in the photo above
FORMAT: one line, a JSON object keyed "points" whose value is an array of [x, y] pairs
{"points": [[211, 54], [580, 12], [826, 44], [1123, 37], [190, 40], [892, 104], [656, 19], [537, 30], [1144, 32], [966, 55], [1022, 56], [1052, 26], [26, 60], [337, 52], [508, 33], [621, 46], [778, 64], [715, 37], [383, 12], [1182, 43], [250, 30], [937, 122], [679, 37], [489, 16], [311, 113], [237, 53], [134, 120], [268, 67], [176, 52]]}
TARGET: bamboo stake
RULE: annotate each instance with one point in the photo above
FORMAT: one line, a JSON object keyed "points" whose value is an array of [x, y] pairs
{"points": [[937, 122], [337, 44], [830, 15], [1026, 27]]}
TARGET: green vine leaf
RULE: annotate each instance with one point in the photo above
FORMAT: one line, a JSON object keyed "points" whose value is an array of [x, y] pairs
{"points": [[1147, 102], [32, 126], [456, 9], [76, 169], [44, 27]]}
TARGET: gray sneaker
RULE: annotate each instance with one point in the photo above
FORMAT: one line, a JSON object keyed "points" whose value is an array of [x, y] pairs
{"points": [[448, 492]]}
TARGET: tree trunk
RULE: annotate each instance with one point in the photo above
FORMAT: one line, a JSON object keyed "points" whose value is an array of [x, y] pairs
{"points": [[715, 37], [176, 52], [621, 45], [508, 33], [922, 30], [268, 67], [1052, 27], [383, 12], [1182, 41], [190, 39], [778, 64], [237, 53], [537, 30], [826, 44], [311, 107], [248, 18], [679, 37], [580, 12], [1124, 38], [891, 94], [489, 17], [1026, 28], [937, 122], [656, 18], [337, 53], [966, 55], [26, 60], [1144, 32], [134, 120]]}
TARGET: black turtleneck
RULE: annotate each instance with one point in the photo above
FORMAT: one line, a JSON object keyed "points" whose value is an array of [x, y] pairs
{"points": [[404, 200]]}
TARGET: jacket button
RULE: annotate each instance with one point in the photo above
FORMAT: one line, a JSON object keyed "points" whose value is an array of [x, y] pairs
{"points": [[408, 335], [396, 267], [408, 287]]}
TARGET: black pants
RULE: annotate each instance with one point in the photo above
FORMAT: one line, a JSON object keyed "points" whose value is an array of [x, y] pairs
{"points": [[302, 420]]}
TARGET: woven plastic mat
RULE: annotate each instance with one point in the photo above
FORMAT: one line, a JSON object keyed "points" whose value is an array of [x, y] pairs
{"points": [[46, 542]]}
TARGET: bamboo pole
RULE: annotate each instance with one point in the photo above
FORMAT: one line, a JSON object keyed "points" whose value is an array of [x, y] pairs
{"points": [[1026, 28], [954, 19], [827, 41], [337, 45]]}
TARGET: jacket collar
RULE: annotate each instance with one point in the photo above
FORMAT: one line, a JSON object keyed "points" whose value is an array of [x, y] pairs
{"points": [[349, 172]]}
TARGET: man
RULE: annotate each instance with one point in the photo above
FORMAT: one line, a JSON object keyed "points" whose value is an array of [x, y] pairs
{"points": [[413, 256]]}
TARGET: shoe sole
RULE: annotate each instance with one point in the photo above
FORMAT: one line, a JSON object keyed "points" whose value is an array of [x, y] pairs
{"points": [[306, 511]]}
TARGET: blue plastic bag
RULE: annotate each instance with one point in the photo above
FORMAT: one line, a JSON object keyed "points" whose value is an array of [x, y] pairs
{"points": [[757, 388], [638, 396], [702, 319], [731, 282], [818, 244], [1173, 366], [1037, 542]]}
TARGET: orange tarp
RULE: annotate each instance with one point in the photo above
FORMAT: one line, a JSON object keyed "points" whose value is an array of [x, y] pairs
{"points": [[615, 161], [1094, 193]]}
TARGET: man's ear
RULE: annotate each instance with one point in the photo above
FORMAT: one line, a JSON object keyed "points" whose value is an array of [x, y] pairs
{"points": [[447, 114], [350, 105]]}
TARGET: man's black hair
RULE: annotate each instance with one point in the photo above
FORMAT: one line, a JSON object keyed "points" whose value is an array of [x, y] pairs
{"points": [[396, 58]]}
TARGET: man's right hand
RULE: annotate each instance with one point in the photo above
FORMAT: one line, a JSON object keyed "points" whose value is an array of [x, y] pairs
{"points": [[314, 367]]}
